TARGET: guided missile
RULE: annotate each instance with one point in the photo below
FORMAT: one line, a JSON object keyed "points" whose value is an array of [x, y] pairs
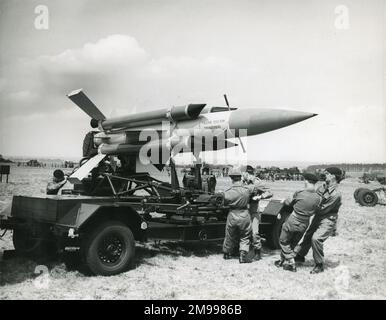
{"points": [[122, 134]]}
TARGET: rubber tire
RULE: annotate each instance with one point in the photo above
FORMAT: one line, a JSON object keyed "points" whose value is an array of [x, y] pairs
{"points": [[365, 201], [357, 191], [274, 237], [26, 246], [89, 248]]}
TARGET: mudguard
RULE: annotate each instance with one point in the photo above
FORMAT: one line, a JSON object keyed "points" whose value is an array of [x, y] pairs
{"points": [[78, 215], [83, 212]]}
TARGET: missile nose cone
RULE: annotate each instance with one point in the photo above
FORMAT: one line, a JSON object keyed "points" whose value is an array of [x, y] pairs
{"points": [[257, 121]]}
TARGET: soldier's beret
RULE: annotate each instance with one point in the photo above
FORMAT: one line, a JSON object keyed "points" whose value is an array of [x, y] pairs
{"points": [[338, 173], [59, 174], [249, 169], [310, 177]]}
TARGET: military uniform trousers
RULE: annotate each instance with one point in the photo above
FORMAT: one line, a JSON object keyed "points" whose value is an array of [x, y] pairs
{"points": [[237, 231], [317, 233], [291, 233], [256, 239]]}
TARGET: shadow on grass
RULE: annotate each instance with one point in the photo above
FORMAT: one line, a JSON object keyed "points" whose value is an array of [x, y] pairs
{"points": [[189, 249], [309, 263], [176, 249], [16, 269]]}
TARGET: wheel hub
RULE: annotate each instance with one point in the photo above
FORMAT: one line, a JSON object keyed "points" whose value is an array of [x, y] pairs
{"points": [[110, 249], [369, 198]]}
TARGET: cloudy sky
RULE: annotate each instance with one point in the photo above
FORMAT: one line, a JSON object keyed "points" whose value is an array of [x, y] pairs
{"points": [[325, 57]]}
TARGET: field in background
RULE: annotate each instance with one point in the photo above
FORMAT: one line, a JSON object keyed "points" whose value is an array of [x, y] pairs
{"points": [[355, 260]]}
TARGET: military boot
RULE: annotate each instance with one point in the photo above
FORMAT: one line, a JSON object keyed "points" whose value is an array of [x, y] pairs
{"points": [[318, 268], [279, 263], [289, 267], [257, 254], [243, 257], [299, 259], [227, 256]]}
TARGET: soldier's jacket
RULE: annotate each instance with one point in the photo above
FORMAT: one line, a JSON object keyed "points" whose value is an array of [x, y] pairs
{"points": [[205, 178], [256, 187], [331, 201], [259, 188], [237, 196], [305, 204]]}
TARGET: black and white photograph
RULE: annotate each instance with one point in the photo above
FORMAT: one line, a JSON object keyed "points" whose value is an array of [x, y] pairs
{"points": [[208, 150]]}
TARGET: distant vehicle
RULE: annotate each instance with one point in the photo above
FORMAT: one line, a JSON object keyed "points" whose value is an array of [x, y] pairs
{"points": [[33, 163], [373, 176]]}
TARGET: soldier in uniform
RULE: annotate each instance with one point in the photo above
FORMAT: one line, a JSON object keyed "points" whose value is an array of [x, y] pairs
{"points": [[57, 182], [205, 180], [238, 226], [305, 204], [258, 191], [324, 223], [189, 179]]}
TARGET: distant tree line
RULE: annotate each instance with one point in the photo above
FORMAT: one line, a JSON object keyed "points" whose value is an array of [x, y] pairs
{"points": [[2, 160], [37, 164]]}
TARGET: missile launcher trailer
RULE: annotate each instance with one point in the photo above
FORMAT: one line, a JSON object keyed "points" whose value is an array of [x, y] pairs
{"points": [[105, 223]]}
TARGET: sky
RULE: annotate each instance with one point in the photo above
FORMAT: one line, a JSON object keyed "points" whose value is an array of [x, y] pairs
{"points": [[324, 57]]}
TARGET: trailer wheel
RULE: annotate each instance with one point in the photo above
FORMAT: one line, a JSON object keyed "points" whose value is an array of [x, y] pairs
{"points": [[367, 198], [356, 192], [32, 245], [108, 248], [274, 237]]}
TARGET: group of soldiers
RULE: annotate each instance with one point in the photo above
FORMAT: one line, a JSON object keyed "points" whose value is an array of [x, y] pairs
{"points": [[208, 180], [242, 226], [272, 176]]}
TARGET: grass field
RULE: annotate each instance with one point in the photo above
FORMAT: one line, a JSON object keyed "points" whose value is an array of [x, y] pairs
{"points": [[355, 262]]}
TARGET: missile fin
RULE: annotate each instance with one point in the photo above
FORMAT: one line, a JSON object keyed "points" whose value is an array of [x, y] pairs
{"points": [[83, 102], [84, 170]]}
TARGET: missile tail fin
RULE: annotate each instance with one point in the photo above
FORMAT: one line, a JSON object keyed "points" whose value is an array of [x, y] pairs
{"points": [[83, 102], [84, 170]]}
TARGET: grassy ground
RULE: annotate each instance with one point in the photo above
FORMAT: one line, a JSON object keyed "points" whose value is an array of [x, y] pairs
{"points": [[355, 261]]}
